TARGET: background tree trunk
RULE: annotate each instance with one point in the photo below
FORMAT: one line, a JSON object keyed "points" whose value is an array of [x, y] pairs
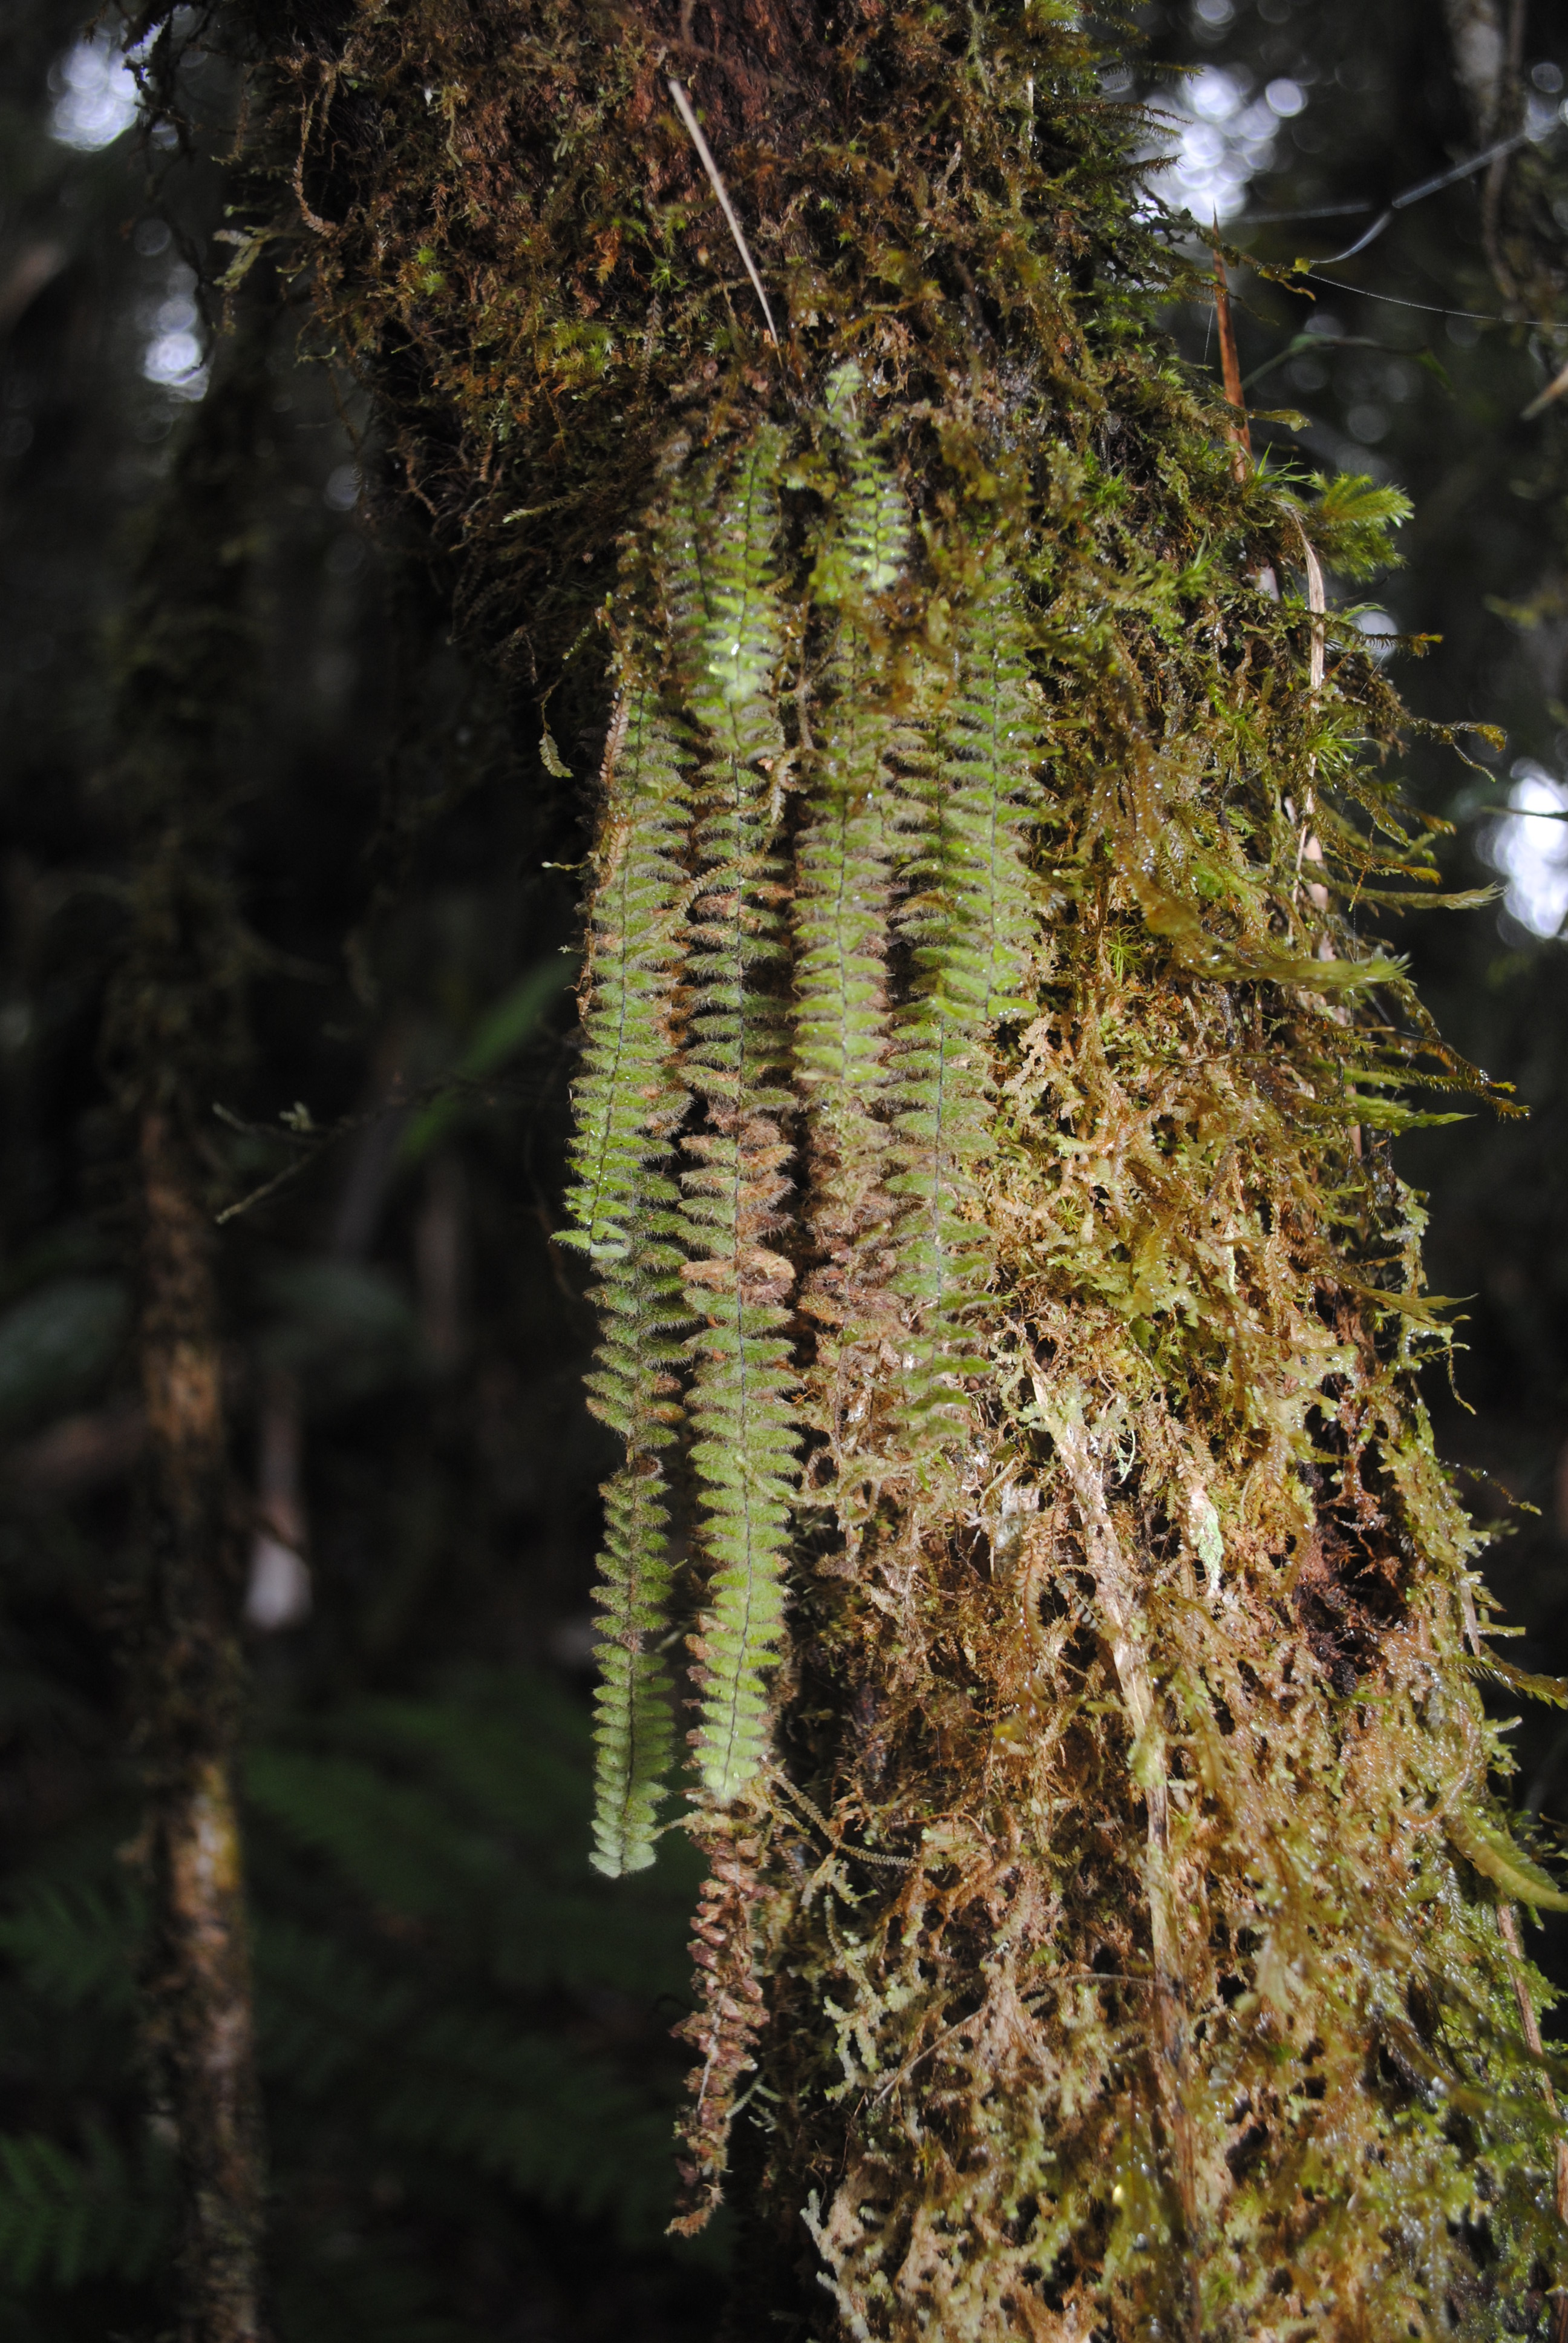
{"points": [[172, 1036]]}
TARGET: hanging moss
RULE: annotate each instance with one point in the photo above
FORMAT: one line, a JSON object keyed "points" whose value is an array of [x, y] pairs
{"points": [[1110, 1867]]}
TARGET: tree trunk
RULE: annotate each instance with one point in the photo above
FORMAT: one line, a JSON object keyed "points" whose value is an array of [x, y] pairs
{"points": [[983, 1160], [197, 1980], [171, 1038]]}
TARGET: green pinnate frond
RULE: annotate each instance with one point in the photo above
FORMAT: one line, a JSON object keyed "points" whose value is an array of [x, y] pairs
{"points": [[721, 589], [463, 1815], [731, 586], [532, 2109], [70, 1941], [456, 1825], [318, 2004], [970, 916], [628, 1102], [726, 620], [844, 859], [640, 1301], [745, 1440], [846, 847], [635, 1387], [969, 920]]}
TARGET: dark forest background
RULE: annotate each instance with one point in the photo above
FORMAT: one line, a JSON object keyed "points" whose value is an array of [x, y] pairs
{"points": [[465, 2035]]}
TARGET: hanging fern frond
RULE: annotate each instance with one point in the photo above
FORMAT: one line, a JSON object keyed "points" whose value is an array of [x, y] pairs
{"points": [[627, 1104], [727, 617], [969, 920], [845, 850], [843, 890]]}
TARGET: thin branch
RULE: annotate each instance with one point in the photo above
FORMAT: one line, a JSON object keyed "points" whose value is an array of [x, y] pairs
{"points": [[1301, 343], [1555, 390], [1230, 368], [687, 115], [1419, 194], [314, 1144]]}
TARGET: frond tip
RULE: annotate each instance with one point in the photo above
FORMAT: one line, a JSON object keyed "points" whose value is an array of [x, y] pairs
{"points": [[633, 1729]]}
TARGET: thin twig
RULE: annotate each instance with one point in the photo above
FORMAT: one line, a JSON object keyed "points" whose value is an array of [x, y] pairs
{"points": [[314, 1144], [1306, 212], [1317, 602], [1419, 194], [1231, 369], [1431, 308], [687, 115], [1510, 102], [1401, 202], [1555, 390]]}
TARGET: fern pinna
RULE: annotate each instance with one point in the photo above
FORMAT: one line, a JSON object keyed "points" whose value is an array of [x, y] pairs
{"points": [[726, 618], [968, 921], [628, 1103]]}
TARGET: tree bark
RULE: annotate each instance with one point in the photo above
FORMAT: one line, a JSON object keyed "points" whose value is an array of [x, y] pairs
{"points": [[196, 1983], [173, 1035]]}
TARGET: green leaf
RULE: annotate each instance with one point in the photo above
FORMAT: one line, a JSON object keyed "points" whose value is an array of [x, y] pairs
{"points": [[499, 1035]]}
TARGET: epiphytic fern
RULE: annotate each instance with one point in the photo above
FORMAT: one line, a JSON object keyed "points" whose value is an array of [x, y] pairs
{"points": [[843, 869], [627, 1104], [968, 921], [727, 616]]}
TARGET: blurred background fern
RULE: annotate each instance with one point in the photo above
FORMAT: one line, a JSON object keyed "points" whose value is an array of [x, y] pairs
{"points": [[464, 2034]]}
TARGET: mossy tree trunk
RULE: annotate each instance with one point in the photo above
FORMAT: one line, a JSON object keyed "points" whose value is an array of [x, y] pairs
{"points": [[171, 1038], [983, 1160]]}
